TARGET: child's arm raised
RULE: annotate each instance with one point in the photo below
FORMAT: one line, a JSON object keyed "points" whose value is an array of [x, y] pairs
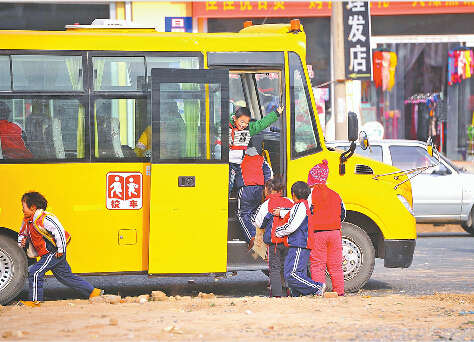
{"points": [[297, 216]]}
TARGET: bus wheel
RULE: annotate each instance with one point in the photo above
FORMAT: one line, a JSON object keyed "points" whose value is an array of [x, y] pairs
{"points": [[13, 269], [358, 258]]}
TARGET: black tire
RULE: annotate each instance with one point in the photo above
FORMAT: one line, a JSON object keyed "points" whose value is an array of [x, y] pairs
{"points": [[468, 226], [356, 240], [13, 269]]}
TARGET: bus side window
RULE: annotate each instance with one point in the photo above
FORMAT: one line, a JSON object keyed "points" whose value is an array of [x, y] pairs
{"points": [[49, 128], [303, 136], [118, 126]]}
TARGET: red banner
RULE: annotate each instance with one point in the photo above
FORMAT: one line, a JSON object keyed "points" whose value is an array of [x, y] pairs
{"points": [[255, 9]]}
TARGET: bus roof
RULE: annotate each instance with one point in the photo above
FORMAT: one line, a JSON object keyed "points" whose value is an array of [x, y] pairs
{"points": [[268, 37]]}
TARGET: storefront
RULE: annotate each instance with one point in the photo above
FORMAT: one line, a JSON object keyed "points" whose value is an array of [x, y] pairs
{"points": [[421, 84]]}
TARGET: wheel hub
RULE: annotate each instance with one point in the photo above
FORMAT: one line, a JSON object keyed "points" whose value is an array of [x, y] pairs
{"points": [[6, 269], [351, 258]]}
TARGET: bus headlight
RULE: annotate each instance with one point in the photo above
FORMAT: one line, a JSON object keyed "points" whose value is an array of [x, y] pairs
{"points": [[406, 204]]}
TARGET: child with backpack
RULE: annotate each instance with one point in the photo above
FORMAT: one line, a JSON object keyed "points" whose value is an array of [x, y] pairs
{"points": [[328, 213], [277, 249], [48, 240], [299, 243]]}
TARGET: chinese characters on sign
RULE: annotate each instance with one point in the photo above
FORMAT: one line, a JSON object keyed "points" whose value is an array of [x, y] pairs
{"points": [[178, 24], [124, 190], [357, 39]]}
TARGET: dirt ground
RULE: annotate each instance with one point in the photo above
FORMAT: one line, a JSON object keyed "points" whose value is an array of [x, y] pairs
{"points": [[354, 317]]}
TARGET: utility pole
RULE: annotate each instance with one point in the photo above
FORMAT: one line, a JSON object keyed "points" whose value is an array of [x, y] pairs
{"points": [[337, 49]]}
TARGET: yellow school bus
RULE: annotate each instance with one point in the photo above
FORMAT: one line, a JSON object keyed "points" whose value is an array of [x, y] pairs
{"points": [[128, 131]]}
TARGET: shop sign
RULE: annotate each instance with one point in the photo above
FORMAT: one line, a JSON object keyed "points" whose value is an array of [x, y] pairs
{"points": [[356, 21], [178, 24], [299, 9]]}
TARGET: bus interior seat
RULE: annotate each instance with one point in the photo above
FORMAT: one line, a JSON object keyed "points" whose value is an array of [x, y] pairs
{"points": [[115, 124], [108, 136], [56, 137], [39, 134]]}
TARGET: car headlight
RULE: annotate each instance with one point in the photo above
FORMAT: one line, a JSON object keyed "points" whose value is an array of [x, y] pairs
{"points": [[406, 204]]}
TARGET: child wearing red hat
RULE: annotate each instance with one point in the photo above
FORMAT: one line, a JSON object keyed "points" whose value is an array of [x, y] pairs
{"points": [[325, 223]]}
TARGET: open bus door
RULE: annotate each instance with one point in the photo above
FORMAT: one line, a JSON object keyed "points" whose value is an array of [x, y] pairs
{"points": [[189, 172]]}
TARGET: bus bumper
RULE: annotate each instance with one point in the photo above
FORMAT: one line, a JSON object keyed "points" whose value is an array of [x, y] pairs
{"points": [[399, 253]]}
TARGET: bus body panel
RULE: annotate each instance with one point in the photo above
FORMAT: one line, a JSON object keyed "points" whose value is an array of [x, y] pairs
{"points": [[76, 194], [188, 224], [361, 193]]}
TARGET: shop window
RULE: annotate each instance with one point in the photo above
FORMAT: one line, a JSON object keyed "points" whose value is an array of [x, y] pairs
{"points": [[122, 128], [5, 77], [47, 73], [119, 73], [43, 128], [303, 139]]}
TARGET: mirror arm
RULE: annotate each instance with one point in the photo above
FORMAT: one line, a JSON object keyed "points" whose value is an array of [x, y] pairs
{"points": [[344, 157]]}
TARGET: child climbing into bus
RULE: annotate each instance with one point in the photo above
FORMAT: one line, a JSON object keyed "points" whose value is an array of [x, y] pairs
{"points": [[241, 129], [277, 249], [48, 240], [325, 223], [299, 243], [255, 171]]}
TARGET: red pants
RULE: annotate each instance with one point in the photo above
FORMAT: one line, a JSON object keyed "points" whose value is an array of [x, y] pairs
{"points": [[327, 251]]}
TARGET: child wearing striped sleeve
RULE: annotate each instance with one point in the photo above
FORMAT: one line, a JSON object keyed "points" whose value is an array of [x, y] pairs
{"points": [[48, 241]]}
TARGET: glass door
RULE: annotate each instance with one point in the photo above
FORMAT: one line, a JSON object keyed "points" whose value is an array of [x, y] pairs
{"points": [[189, 173]]}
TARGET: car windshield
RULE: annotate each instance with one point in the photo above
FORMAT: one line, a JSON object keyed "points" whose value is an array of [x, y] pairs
{"points": [[451, 164]]}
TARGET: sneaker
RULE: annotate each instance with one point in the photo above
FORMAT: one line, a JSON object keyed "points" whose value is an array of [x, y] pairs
{"points": [[321, 292], [29, 303], [96, 292]]}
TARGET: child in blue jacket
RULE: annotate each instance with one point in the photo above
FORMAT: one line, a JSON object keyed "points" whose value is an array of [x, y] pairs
{"points": [[299, 243]]}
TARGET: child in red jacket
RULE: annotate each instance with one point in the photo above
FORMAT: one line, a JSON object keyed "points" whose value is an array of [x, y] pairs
{"points": [[325, 223], [277, 249], [48, 238]]}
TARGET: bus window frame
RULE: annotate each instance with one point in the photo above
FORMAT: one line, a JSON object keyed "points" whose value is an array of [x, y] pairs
{"points": [[83, 99], [202, 77], [126, 94], [81, 53], [293, 154]]}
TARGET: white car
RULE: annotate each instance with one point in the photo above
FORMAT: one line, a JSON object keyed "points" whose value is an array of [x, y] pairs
{"points": [[441, 194]]}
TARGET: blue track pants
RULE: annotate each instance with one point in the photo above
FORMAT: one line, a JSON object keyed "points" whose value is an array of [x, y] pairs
{"points": [[250, 197], [61, 270], [296, 273]]}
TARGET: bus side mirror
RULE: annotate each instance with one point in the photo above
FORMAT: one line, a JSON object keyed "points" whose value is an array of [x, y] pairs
{"points": [[352, 126]]}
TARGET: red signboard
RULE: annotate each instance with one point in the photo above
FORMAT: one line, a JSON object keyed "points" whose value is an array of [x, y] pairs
{"points": [[124, 190], [255, 9]]}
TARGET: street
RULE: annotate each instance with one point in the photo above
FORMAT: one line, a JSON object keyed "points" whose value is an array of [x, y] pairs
{"points": [[441, 264], [432, 300]]}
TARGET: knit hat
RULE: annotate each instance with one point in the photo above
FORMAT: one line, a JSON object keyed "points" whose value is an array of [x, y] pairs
{"points": [[318, 174]]}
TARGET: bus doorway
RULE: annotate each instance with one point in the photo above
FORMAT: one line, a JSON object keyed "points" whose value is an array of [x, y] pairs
{"points": [[262, 92]]}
